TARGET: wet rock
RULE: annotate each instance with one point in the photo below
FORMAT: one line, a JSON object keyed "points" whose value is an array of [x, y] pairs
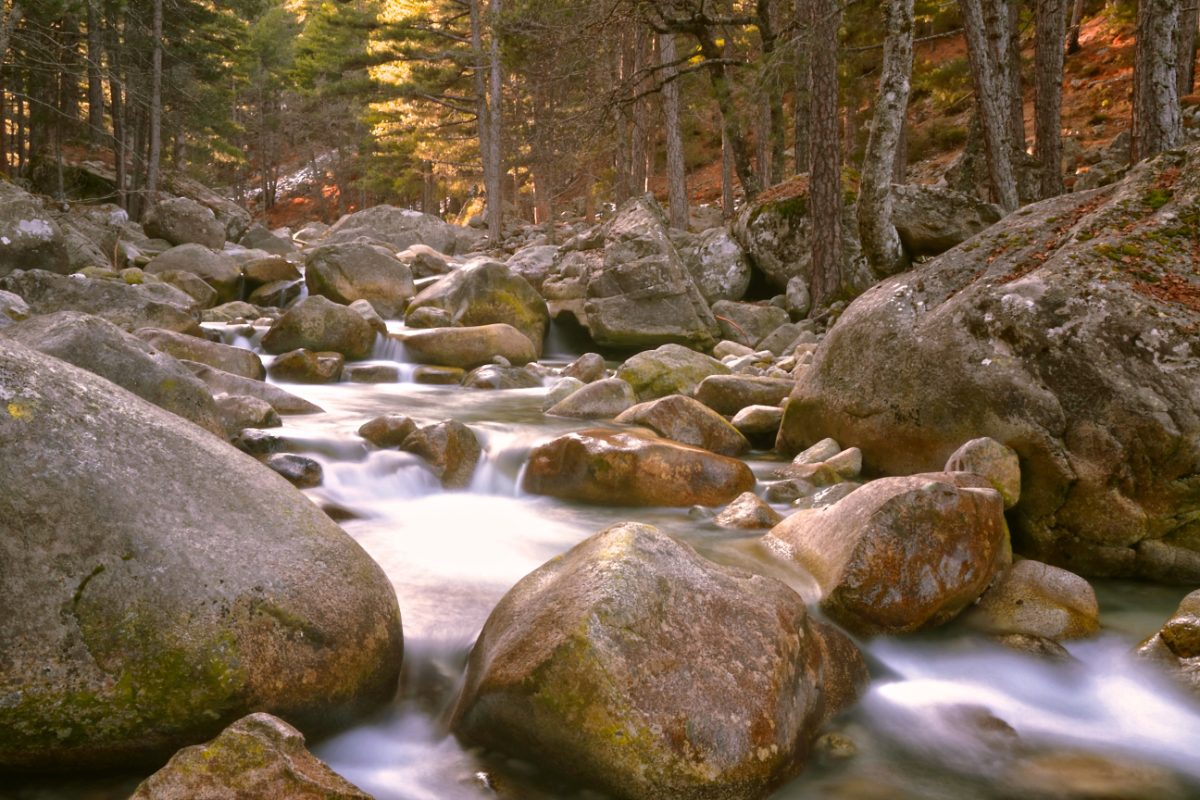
{"points": [[449, 449], [1076, 775], [239, 411], [603, 467], [372, 373], [216, 269], [257, 237], [1040, 600], [235, 311], [729, 394], [261, 271], [306, 366], [900, 554], [258, 442], [180, 221], [603, 399], [221, 382], [1176, 647], [992, 461], [468, 347], [587, 368], [1033, 645], [103, 349], [356, 271], [483, 293], [424, 261], [150, 305], [758, 423], [748, 323], [192, 348], [316, 323], [257, 756], [748, 512], [717, 264], [682, 419], [614, 664], [666, 370], [206, 581], [278, 294], [496, 376], [438, 376], [389, 430], [301, 472]]}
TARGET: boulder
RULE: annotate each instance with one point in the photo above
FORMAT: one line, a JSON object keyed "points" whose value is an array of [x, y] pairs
{"points": [[1036, 599], [12, 309], [372, 373], [221, 382], [468, 347], [1065, 332], [236, 311], [237, 360], [142, 552], [602, 399], [257, 756], [299, 471], [181, 220], [389, 430], [239, 411], [932, 219], [631, 288], [534, 263], [276, 294], [682, 419], [1176, 646], [729, 394], [748, 512], [497, 376], [716, 262], [424, 262], [233, 218], [449, 449], [483, 293], [992, 461], [216, 269], [148, 305], [900, 554], [317, 323], [191, 284], [606, 467], [587, 368], [356, 271], [305, 366], [261, 271], [758, 423], [258, 237], [400, 228], [748, 323], [103, 349], [666, 370], [29, 236], [614, 664]]}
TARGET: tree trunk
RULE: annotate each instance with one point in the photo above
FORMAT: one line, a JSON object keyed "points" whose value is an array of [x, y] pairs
{"points": [[479, 78], [825, 183], [900, 167], [676, 173], [881, 242], [989, 76], [727, 201], [495, 192], [154, 162], [718, 75], [638, 152], [1016, 103], [95, 79], [1156, 112], [1051, 24], [1189, 17], [1073, 28], [803, 84]]}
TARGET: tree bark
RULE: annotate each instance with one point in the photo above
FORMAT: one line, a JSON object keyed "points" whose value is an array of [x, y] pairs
{"points": [[154, 163], [1156, 113], [881, 242], [95, 92], [727, 201], [991, 96], [479, 77], [1051, 24], [495, 192], [641, 122], [1189, 17], [1073, 28], [1016, 102], [803, 85], [677, 200], [825, 182]]}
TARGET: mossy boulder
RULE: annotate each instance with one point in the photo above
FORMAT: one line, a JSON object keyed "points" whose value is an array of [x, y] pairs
{"points": [[668, 369], [159, 584], [610, 468], [640, 667], [1067, 332]]}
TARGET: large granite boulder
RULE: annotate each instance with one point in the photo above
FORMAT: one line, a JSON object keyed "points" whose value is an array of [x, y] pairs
{"points": [[717, 263], [481, 293], [102, 348], [29, 236], [319, 324], [682, 419], [649, 672], [900, 554], [401, 228], [1066, 332], [225, 357], [221, 382], [534, 263], [257, 756], [610, 468], [467, 347], [628, 285], [159, 584], [932, 219], [181, 220], [129, 307], [257, 237], [234, 218], [669, 369], [356, 271], [216, 269]]}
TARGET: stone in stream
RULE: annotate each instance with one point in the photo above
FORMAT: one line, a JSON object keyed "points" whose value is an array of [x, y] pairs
{"points": [[587, 368], [498, 376], [602, 399], [682, 419], [277, 294], [996, 463], [372, 373], [623, 468], [147, 305], [758, 423], [102, 348], [483, 293], [449, 449], [301, 472], [262, 271], [729, 394], [216, 269], [234, 311], [357, 271], [669, 369], [1176, 646], [438, 376], [305, 366], [192, 285], [140, 551], [259, 756], [317, 323], [258, 237], [748, 323], [389, 430], [221, 382], [181, 220], [748, 512], [468, 347], [900, 554], [239, 411], [237, 360], [615, 664], [1037, 599]]}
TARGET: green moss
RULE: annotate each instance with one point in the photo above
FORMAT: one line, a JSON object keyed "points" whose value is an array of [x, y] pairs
{"points": [[1157, 198]]}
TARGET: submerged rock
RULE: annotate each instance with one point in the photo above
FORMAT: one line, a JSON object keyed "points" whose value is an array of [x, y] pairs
{"points": [[614, 663], [207, 582]]}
